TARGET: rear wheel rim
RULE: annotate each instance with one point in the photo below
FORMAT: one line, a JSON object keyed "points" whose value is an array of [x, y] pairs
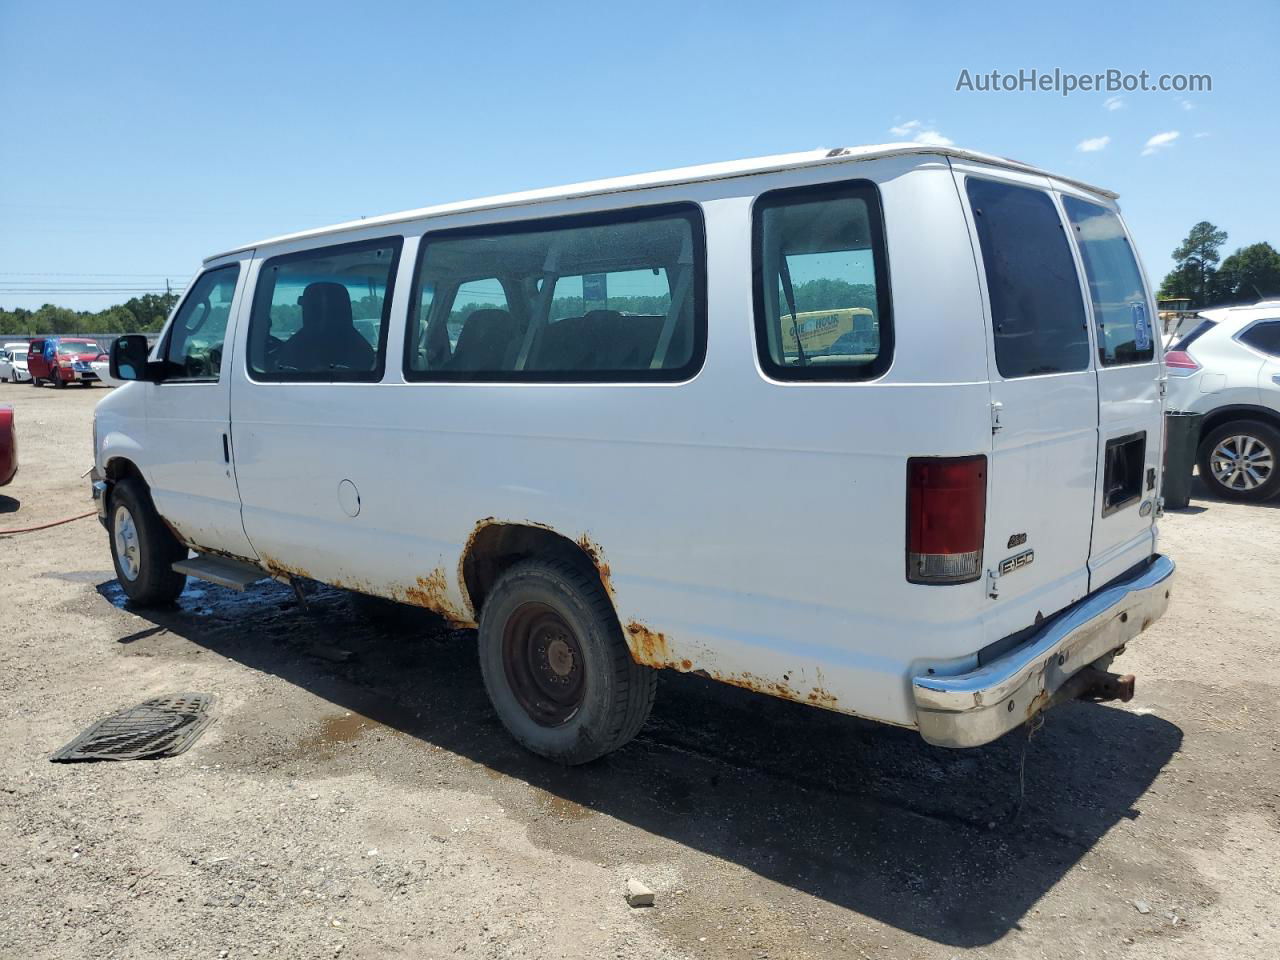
{"points": [[128, 549], [1242, 462], [544, 665]]}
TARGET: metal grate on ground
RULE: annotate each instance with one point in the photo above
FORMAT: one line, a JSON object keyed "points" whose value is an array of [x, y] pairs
{"points": [[162, 727]]}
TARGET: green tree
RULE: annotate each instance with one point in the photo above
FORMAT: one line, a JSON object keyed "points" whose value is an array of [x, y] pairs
{"points": [[1196, 265], [1251, 273]]}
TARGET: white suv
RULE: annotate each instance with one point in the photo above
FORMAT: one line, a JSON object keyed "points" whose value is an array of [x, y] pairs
{"points": [[1228, 368]]}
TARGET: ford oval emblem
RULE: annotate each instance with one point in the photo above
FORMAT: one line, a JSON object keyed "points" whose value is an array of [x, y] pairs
{"points": [[1145, 509]]}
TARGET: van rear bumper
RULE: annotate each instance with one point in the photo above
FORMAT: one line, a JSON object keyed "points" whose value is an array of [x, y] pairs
{"points": [[970, 709]]}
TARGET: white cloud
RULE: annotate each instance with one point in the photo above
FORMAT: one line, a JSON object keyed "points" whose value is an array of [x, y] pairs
{"points": [[1201, 136], [933, 138], [1113, 103], [1160, 141], [1093, 144], [1187, 104], [919, 133]]}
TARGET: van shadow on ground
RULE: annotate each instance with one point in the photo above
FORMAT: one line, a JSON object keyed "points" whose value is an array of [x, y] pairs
{"points": [[864, 816]]}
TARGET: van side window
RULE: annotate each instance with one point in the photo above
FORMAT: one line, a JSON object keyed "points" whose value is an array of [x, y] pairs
{"points": [[1037, 313], [821, 283], [196, 336], [321, 315], [1120, 310], [615, 296]]}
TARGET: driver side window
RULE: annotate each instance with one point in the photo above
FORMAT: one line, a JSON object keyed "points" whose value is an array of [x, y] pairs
{"points": [[200, 327]]}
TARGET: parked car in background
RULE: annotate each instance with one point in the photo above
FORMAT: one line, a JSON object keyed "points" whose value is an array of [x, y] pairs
{"points": [[13, 362], [1228, 368], [63, 360], [8, 446]]}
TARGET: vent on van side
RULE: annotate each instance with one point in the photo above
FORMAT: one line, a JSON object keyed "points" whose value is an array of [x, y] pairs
{"points": [[1122, 479]]}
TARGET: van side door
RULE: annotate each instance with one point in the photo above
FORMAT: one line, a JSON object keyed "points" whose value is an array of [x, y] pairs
{"points": [[1044, 399], [321, 477], [1130, 388], [188, 464]]}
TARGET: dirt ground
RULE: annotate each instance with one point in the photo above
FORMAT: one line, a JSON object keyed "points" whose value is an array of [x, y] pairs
{"points": [[375, 808]]}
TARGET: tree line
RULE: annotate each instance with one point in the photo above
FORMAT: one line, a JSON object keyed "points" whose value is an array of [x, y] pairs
{"points": [[143, 314], [1200, 274]]}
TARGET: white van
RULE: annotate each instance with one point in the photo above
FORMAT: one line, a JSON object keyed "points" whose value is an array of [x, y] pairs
{"points": [[589, 422]]}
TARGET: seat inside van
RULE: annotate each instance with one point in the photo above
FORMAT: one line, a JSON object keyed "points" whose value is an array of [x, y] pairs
{"points": [[328, 335], [599, 340]]}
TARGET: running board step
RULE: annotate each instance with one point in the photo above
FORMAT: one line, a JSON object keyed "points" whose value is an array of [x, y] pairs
{"points": [[234, 574]]}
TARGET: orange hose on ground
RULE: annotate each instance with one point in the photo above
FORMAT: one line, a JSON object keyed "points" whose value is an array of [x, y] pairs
{"points": [[46, 526]]}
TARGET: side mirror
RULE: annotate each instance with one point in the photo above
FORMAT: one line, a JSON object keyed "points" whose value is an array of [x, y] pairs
{"points": [[129, 359]]}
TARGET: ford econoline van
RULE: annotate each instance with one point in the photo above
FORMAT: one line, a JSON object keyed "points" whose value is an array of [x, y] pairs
{"points": [[875, 429]]}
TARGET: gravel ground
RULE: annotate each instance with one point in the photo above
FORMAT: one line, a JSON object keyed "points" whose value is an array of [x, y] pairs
{"points": [[375, 808]]}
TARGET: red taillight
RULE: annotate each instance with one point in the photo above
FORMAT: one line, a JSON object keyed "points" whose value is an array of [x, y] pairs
{"points": [[1180, 360], [946, 518]]}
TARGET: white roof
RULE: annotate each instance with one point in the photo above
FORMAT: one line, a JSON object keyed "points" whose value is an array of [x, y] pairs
{"points": [[1244, 311], [662, 178]]}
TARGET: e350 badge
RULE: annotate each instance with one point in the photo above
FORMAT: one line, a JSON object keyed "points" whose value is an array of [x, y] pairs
{"points": [[1017, 562]]}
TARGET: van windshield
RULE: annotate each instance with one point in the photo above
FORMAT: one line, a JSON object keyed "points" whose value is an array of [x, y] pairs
{"points": [[69, 348]]}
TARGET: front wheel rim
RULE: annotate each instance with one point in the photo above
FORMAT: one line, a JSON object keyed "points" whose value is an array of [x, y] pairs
{"points": [[1242, 462], [128, 548]]}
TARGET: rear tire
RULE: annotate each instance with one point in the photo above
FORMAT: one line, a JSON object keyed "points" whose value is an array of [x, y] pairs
{"points": [[142, 548], [1240, 460], [556, 666]]}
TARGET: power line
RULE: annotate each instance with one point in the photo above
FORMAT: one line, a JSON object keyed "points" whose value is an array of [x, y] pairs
{"points": [[19, 273]]}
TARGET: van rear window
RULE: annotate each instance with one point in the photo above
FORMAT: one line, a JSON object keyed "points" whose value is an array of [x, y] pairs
{"points": [[1037, 314], [603, 297], [821, 283], [1120, 310]]}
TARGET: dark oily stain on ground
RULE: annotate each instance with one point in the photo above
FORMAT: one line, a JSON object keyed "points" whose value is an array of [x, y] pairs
{"points": [[336, 732], [866, 817], [562, 808]]}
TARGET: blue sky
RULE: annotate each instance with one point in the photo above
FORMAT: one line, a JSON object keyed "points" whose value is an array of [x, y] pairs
{"points": [[140, 137]]}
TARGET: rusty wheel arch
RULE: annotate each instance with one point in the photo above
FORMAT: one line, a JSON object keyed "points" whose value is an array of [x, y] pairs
{"points": [[496, 545]]}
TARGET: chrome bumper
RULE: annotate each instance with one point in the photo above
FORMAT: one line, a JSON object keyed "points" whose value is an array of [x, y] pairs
{"points": [[100, 490], [970, 709]]}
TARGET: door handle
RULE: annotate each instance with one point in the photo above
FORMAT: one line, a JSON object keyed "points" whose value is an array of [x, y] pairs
{"points": [[226, 450]]}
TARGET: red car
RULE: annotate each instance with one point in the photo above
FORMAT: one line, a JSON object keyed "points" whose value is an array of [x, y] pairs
{"points": [[8, 446], [62, 360]]}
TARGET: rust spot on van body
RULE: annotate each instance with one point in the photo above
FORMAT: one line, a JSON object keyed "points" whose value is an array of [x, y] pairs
{"points": [[596, 555], [652, 649], [283, 570], [649, 648], [432, 593]]}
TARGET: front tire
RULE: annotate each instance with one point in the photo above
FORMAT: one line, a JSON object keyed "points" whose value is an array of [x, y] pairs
{"points": [[556, 666], [1240, 461], [142, 548]]}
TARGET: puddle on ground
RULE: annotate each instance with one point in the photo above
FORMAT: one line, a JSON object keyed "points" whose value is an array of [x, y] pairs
{"points": [[336, 731], [563, 809]]}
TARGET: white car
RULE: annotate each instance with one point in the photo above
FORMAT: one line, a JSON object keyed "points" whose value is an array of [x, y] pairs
{"points": [[13, 362], [1228, 368], [874, 429]]}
